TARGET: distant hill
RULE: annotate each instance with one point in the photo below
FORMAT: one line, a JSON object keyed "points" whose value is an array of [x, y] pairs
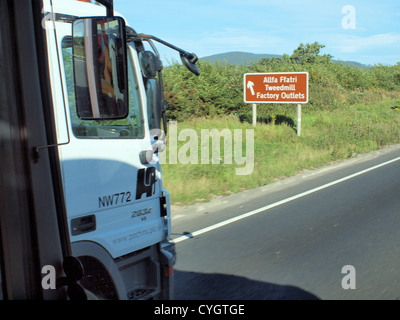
{"points": [[352, 63], [242, 58], [237, 57]]}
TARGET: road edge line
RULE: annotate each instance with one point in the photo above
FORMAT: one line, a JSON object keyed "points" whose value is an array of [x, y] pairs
{"points": [[278, 203]]}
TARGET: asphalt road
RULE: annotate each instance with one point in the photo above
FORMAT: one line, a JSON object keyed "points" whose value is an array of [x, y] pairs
{"points": [[308, 228]]}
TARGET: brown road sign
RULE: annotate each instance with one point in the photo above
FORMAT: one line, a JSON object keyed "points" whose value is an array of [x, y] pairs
{"points": [[281, 87]]}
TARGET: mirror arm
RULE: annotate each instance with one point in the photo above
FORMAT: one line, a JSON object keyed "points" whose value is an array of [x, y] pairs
{"points": [[191, 56], [109, 4]]}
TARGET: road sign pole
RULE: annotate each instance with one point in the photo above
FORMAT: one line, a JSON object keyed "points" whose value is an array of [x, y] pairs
{"points": [[254, 114], [299, 119]]}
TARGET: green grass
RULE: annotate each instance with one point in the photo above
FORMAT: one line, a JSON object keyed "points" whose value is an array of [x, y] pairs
{"points": [[327, 136]]}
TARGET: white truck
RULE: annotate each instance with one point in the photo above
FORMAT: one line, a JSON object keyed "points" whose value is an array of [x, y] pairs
{"points": [[108, 105]]}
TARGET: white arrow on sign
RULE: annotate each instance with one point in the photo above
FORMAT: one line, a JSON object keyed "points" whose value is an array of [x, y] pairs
{"points": [[250, 85]]}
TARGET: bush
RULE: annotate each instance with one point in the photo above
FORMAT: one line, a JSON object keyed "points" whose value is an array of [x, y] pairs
{"points": [[219, 88]]}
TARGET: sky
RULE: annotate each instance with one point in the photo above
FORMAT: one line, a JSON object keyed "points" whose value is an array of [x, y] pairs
{"points": [[366, 31]]}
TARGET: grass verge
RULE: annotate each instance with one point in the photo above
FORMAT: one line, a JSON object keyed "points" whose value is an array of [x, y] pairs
{"points": [[327, 136]]}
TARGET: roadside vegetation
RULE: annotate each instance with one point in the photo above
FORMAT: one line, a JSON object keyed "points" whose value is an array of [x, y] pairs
{"points": [[351, 110]]}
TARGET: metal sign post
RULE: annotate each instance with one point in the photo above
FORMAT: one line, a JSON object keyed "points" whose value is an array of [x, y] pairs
{"points": [[299, 119], [254, 114]]}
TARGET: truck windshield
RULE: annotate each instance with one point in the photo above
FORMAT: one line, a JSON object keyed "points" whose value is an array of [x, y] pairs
{"points": [[131, 127]]}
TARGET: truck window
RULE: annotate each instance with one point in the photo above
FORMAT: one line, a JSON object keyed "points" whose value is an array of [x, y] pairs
{"points": [[131, 127]]}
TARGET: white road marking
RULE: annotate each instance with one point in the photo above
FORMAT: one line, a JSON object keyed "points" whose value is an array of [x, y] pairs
{"points": [[273, 205]]}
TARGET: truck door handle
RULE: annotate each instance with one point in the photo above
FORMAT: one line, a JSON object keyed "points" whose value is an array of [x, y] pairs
{"points": [[83, 224]]}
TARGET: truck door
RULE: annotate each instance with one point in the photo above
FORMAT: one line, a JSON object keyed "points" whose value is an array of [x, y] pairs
{"points": [[112, 193]]}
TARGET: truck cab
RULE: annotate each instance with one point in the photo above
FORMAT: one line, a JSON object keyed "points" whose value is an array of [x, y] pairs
{"points": [[118, 213]]}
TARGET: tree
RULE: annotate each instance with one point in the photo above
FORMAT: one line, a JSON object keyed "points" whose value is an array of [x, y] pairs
{"points": [[309, 53]]}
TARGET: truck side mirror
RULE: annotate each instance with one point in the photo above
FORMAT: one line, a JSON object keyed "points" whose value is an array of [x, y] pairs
{"points": [[100, 68], [150, 64], [189, 62]]}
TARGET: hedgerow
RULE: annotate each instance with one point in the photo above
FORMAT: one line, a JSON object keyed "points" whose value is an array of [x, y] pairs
{"points": [[219, 88]]}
